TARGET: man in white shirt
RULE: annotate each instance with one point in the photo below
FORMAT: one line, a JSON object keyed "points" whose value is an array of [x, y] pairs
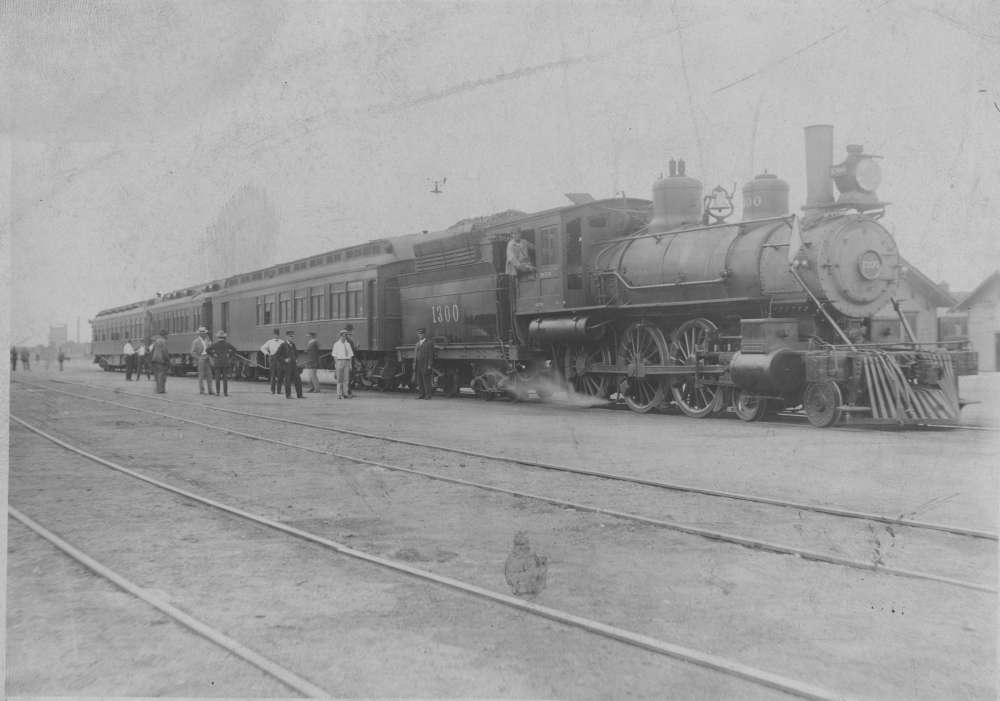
{"points": [[128, 352], [342, 354], [269, 349], [199, 351]]}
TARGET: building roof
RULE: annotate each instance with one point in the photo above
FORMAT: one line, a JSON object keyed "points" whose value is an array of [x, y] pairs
{"points": [[934, 292], [988, 287]]}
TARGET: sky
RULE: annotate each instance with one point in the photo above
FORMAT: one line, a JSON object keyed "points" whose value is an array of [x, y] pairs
{"points": [[154, 145]]}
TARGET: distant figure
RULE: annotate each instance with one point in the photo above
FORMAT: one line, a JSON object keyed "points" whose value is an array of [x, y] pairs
{"points": [[222, 353], [26, 360], [518, 258], [142, 359], [62, 358], [312, 362], [269, 349], [524, 571], [199, 351], [343, 355], [423, 365], [128, 354], [159, 356], [355, 361], [13, 358], [287, 358]]}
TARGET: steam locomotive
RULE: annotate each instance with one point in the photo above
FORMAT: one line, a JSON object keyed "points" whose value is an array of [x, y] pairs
{"points": [[657, 303]]}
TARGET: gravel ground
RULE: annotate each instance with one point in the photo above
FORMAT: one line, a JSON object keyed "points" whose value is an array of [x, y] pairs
{"points": [[864, 634]]}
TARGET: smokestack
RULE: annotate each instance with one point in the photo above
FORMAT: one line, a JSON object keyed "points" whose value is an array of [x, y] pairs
{"points": [[819, 158]]}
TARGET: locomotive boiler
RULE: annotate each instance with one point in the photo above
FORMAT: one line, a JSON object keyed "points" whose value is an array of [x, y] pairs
{"points": [[770, 311]]}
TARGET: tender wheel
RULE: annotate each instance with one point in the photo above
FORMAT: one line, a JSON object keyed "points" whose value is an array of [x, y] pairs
{"points": [[642, 345], [691, 394], [750, 407], [821, 403], [578, 361]]}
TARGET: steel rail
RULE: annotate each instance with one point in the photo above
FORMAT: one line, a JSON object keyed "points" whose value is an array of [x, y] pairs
{"points": [[285, 676], [702, 659], [722, 536], [671, 486]]}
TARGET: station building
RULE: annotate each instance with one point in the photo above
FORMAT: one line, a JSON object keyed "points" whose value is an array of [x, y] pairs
{"points": [[980, 314]]}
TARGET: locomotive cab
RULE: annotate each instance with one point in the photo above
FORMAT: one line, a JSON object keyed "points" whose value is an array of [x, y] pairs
{"points": [[565, 240]]}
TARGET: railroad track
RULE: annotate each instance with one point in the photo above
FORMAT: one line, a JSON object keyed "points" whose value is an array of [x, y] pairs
{"points": [[601, 474], [871, 565], [300, 684]]}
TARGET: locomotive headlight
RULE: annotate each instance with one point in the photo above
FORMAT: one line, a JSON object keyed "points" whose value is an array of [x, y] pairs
{"points": [[857, 177], [867, 174]]}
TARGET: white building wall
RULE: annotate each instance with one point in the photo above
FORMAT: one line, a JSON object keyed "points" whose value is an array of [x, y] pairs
{"points": [[984, 325]]}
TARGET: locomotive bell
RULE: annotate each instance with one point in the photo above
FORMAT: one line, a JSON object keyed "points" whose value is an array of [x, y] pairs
{"points": [[765, 196], [676, 201]]}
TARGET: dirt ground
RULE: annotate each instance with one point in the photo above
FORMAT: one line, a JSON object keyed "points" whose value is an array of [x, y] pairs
{"points": [[360, 631]]}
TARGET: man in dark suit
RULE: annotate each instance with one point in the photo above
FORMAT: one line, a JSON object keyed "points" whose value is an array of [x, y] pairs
{"points": [[423, 359], [288, 356]]}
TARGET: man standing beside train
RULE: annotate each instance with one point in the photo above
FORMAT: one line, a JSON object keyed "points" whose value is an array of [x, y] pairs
{"points": [[287, 357], [199, 351], [312, 362], [343, 355], [270, 350], [141, 359], [222, 353], [356, 369], [423, 359], [159, 356], [128, 353]]}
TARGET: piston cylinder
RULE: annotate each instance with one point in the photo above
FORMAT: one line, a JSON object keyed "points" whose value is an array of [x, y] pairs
{"points": [[780, 372], [576, 330]]}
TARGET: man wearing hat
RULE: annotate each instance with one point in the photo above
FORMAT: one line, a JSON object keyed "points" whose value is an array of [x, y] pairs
{"points": [[343, 354], [199, 351], [423, 360], [269, 349], [287, 358], [223, 354], [159, 356]]}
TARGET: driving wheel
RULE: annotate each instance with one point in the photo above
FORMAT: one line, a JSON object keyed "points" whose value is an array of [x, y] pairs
{"points": [[642, 345], [694, 397]]}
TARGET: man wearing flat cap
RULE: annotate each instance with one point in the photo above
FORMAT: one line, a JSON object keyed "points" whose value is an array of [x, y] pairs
{"points": [[223, 355], [199, 351], [343, 354], [423, 360], [287, 357]]}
